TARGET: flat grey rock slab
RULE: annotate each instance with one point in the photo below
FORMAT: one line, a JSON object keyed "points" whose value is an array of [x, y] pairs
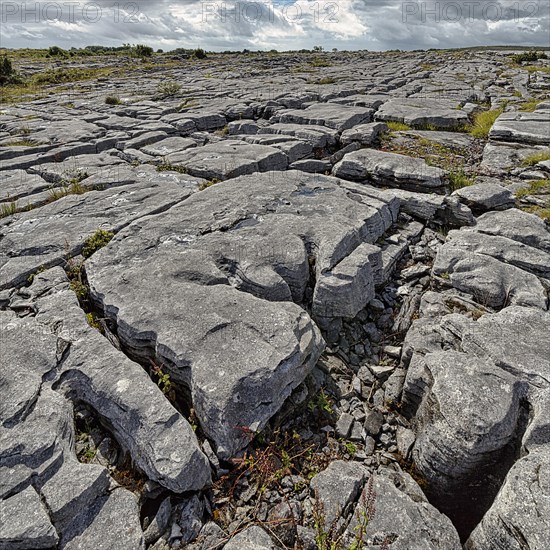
{"points": [[169, 145], [500, 158], [25, 523], [486, 196], [402, 514], [371, 101], [206, 120], [43, 237], [251, 538], [453, 140], [499, 268], [440, 113], [15, 184], [147, 138], [139, 414], [228, 159], [338, 487], [444, 209], [364, 134], [235, 256], [294, 149], [318, 136], [522, 127], [389, 169], [472, 402], [337, 117], [79, 166], [55, 132]]}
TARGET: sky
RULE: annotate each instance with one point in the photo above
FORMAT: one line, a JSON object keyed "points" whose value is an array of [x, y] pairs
{"points": [[220, 25]]}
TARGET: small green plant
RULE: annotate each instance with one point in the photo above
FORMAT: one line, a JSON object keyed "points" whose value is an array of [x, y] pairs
{"points": [[445, 275], [8, 209], [537, 187], [350, 447], [163, 380], [397, 126], [320, 62], [206, 184], [167, 167], [167, 89], [112, 100], [530, 105], [76, 277], [535, 158], [483, 122], [98, 240], [321, 402], [93, 321], [458, 179]]}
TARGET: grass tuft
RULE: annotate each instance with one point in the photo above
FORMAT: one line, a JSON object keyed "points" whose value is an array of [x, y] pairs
{"points": [[535, 158], [397, 126], [483, 122]]}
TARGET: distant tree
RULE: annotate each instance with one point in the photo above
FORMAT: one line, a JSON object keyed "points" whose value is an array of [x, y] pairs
{"points": [[56, 51], [7, 74], [199, 53], [160, 50], [318, 48], [140, 50], [334, 50]]}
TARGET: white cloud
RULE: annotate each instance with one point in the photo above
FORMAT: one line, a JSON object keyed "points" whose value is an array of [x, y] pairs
{"points": [[280, 24]]}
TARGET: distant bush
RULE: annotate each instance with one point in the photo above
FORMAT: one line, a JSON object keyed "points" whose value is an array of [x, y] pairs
{"points": [[112, 100], [56, 51], [7, 73], [140, 50], [199, 53], [528, 57]]}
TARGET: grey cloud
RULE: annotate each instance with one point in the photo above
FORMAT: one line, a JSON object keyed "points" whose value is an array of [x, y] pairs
{"points": [[280, 24]]}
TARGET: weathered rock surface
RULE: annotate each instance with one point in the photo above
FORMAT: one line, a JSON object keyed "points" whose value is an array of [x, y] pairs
{"points": [[216, 305], [389, 169], [522, 128], [497, 269], [229, 159], [442, 114], [225, 251], [43, 237]]}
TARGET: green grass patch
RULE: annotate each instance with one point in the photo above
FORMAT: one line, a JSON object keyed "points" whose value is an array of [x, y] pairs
{"points": [[536, 69], [459, 179], [8, 209], [535, 158], [530, 105], [167, 167], [98, 240], [483, 122], [112, 100], [542, 212], [397, 126], [209, 183], [537, 187], [320, 62], [19, 143]]}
